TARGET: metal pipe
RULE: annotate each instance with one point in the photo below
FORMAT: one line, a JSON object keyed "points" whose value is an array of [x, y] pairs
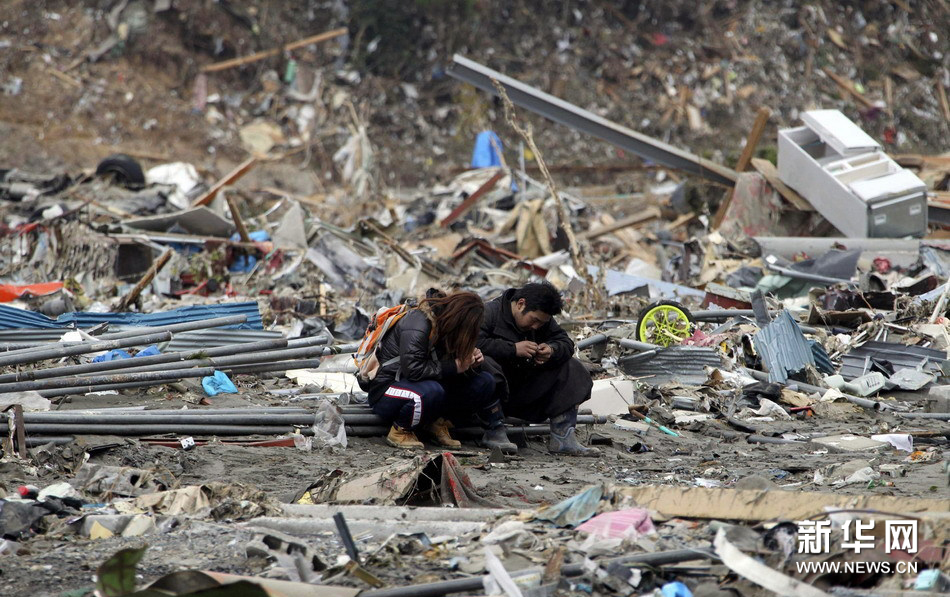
{"points": [[588, 342], [252, 419], [474, 583], [161, 371], [205, 359], [18, 358], [86, 388], [797, 275], [121, 429], [933, 416], [862, 402], [174, 328], [187, 326], [171, 357], [627, 343], [577, 118]]}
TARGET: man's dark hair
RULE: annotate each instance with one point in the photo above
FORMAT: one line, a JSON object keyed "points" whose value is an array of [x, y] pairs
{"points": [[541, 296]]}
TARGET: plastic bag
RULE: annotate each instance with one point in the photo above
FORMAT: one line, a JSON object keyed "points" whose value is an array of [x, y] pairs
{"points": [[219, 383], [328, 428]]}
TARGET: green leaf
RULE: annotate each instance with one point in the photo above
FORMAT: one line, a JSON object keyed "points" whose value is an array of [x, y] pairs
{"points": [[116, 577]]}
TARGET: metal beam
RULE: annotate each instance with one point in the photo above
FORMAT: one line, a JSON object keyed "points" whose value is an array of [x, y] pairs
{"points": [[570, 115]]}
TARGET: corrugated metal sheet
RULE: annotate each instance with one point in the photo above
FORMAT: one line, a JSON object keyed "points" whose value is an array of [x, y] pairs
{"points": [[783, 348], [11, 318], [217, 337], [856, 362], [678, 364]]}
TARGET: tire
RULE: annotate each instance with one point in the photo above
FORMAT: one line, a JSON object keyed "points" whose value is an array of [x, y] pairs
{"points": [[673, 317], [124, 169]]}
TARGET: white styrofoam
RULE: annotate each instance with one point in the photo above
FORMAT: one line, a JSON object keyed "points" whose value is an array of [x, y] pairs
{"points": [[835, 129]]}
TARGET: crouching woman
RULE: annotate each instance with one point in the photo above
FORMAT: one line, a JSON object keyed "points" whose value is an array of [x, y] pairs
{"points": [[430, 373]]}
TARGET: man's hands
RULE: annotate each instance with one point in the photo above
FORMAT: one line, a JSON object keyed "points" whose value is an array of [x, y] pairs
{"points": [[543, 354], [539, 353], [476, 359], [526, 349]]}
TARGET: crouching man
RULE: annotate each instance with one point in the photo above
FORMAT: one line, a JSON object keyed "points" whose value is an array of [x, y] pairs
{"points": [[524, 346]]}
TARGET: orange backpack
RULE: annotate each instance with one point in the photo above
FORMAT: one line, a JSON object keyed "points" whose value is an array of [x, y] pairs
{"points": [[365, 358]]}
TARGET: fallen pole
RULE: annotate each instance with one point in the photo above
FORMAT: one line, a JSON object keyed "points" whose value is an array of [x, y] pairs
{"points": [[45, 354], [150, 374], [205, 358], [171, 357], [862, 402], [187, 326], [592, 341], [243, 369], [182, 417]]}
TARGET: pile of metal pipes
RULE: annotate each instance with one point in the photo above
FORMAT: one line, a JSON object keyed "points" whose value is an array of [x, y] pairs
{"points": [[268, 356], [359, 421]]}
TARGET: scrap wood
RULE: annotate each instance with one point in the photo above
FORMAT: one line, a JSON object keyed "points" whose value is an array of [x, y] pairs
{"points": [[944, 104], [236, 216], [752, 141], [755, 505], [848, 86], [232, 177], [226, 64], [759, 573], [768, 170], [472, 199], [133, 294], [651, 213]]}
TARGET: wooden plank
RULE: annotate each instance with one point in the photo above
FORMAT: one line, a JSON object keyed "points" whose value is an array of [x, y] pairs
{"points": [[472, 199], [768, 170], [236, 216], [755, 505], [944, 104], [650, 213], [752, 141], [848, 86], [226, 64], [133, 294], [230, 178]]}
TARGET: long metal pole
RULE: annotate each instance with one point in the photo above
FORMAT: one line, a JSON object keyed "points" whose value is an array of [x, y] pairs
{"points": [[203, 358], [14, 358], [171, 357], [362, 430], [140, 418], [83, 387], [174, 328], [150, 374]]}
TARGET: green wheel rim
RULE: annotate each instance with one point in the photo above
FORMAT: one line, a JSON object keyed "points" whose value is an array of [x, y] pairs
{"points": [[664, 325]]}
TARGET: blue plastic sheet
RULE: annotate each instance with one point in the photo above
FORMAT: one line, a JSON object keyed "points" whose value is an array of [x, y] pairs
{"points": [[13, 318], [219, 383], [676, 589], [149, 351], [112, 355], [486, 151], [245, 263], [575, 509]]}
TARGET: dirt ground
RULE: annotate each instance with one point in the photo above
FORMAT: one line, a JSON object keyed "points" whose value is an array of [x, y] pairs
{"points": [[532, 478]]}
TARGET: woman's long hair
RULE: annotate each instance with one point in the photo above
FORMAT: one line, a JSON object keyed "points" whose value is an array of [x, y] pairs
{"points": [[458, 318]]}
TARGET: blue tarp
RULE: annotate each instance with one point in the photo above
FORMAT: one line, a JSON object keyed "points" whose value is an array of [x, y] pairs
{"points": [[13, 318], [485, 154]]}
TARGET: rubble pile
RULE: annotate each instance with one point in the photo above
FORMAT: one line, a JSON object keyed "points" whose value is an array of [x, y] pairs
{"points": [[766, 322]]}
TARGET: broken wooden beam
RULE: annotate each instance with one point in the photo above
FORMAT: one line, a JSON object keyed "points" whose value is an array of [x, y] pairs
{"points": [[236, 216], [231, 177], [226, 64], [133, 294], [848, 87], [472, 199], [751, 142], [650, 213]]}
